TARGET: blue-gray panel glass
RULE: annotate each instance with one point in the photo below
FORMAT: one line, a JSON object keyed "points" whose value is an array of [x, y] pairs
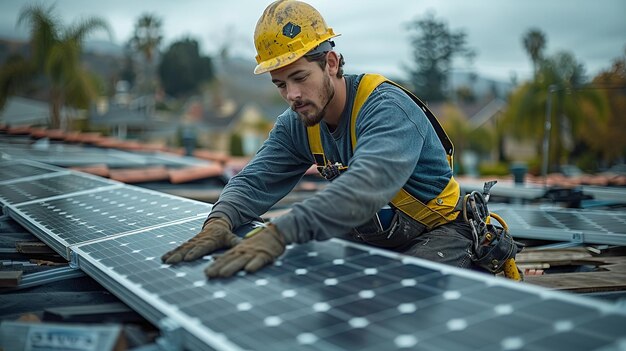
{"points": [[329, 296], [11, 171], [74, 155], [567, 220], [99, 214], [15, 193]]}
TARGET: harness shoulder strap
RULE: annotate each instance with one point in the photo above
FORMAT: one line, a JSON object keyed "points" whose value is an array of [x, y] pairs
{"points": [[315, 143], [368, 83]]}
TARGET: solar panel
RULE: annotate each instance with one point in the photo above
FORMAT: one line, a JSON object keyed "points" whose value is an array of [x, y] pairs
{"points": [[65, 155], [336, 295], [22, 170], [49, 186], [72, 219], [584, 226]]}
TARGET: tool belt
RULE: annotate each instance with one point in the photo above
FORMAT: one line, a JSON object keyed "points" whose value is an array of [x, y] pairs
{"points": [[493, 244], [396, 234]]}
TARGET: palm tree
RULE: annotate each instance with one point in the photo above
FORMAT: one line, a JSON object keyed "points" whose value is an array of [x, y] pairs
{"points": [[147, 36], [534, 42], [146, 40], [526, 113], [55, 54]]}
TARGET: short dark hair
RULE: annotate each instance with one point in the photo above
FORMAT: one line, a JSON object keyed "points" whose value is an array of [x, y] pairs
{"points": [[320, 58]]}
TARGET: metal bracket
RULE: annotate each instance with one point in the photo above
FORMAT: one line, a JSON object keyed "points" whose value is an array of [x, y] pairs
{"points": [[171, 335], [578, 237], [49, 276], [4, 215], [74, 260]]}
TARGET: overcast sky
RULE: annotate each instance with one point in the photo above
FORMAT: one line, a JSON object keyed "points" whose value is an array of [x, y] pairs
{"points": [[374, 37]]}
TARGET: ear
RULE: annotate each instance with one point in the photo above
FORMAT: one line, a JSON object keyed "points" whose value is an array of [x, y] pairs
{"points": [[332, 60]]}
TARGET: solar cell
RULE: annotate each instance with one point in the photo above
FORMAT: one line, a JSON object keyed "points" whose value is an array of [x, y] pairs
{"points": [[73, 219], [57, 184], [336, 295]]}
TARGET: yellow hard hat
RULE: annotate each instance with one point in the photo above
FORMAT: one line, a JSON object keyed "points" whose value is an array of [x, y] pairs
{"points": [[286, 31]]}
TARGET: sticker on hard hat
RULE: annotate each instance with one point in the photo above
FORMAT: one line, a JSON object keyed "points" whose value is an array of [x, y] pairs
{"points": [[291, 30]]}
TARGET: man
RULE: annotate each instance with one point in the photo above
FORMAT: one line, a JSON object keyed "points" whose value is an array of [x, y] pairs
{"points": [[391, 178]]}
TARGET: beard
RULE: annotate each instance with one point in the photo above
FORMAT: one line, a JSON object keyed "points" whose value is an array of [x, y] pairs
{"points": [[316, 113]]}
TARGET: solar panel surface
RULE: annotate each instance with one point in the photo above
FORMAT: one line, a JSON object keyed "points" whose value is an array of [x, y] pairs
{"points": [[14, 170], [600, 227], [59, 184], [65, 155], [87, 216], [338, 296], [323, 295]]}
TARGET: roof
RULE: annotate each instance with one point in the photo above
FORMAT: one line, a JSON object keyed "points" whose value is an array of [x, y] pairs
{"points": [[122, 160]]}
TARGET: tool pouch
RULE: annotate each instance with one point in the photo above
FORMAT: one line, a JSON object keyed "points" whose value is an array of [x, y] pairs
{"points": [[493, 255], [400, 231]]}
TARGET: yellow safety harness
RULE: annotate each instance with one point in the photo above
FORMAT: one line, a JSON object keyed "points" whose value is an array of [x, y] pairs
{"points": [[444, 207], [434, 213]]}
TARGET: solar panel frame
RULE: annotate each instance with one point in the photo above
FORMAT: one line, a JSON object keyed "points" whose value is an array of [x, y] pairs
{"points": [[142, 302], [197, 336], [108, 226]]}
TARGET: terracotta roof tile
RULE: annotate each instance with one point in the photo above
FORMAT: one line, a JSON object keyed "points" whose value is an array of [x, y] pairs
{"points": [[19, 130], [211, 155], [90, 138], [189, 174], [108, 142], [149, 174], [100, 169], [153, 147], [55, 134], [72, 137], [175, 150], [130, 145], [38, 133]]}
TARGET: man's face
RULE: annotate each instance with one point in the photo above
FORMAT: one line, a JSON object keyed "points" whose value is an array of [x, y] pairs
{"points": [[306, 87]]}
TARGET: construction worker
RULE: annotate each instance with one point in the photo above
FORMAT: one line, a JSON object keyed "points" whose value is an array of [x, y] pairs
{"points": [[388, 160]]}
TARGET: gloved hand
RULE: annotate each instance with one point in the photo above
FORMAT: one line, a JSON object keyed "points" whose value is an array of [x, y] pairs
{"points": [[215, 235], [251, 254]]}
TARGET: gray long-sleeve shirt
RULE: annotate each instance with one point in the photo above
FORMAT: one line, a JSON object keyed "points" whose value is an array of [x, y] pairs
{"points": [[396, 146]]}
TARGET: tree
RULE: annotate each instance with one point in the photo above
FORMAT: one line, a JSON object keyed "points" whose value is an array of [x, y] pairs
{"points": [[55, 55], [146, 40], [606, 140], [15, 74], [182, 69], [526, 114], [534, 42], [434, 48], [147, 36]]}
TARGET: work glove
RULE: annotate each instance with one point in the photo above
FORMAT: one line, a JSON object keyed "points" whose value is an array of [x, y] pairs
{"points": [[216, 234], [251, 254]]}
